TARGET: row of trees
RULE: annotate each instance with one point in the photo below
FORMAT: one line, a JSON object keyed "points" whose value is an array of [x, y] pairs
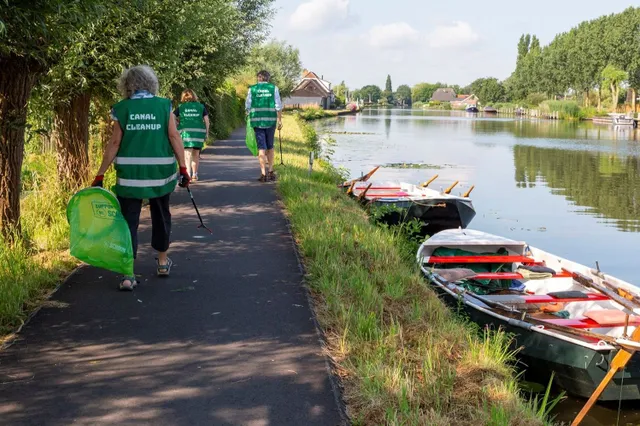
{"points": [[604, 52], [596, 57], [373, 93], [60, 60]]}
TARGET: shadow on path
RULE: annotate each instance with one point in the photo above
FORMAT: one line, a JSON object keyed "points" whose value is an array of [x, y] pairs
{"points": [[228, 339]]}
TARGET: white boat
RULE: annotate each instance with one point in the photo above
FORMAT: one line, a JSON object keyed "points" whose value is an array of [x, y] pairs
{"points": [[436, 210], [567, 318], [622, 119]]}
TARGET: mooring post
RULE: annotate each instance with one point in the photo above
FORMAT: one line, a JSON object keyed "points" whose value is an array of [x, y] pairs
{"points": [[310, 162]]}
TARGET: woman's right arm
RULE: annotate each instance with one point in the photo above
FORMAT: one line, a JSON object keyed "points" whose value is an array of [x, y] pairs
{"points": [[111, 151]]}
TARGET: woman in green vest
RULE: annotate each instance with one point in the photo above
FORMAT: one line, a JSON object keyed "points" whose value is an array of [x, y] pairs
{"points": [[145, 145], [193, 125]]}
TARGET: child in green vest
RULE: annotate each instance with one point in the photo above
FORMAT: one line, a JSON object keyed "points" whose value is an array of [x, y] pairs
{"points": [[264, 108], [193, 125], [145, 145]]}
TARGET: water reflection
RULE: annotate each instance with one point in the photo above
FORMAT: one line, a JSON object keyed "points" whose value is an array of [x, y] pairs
{"points": [[606, 184]]}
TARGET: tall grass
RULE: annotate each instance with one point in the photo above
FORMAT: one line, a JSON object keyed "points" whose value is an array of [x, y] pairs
{"points": [[403, 357]]}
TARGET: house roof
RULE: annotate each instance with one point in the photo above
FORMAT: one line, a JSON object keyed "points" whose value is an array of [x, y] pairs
{"points": [[446, 94], [310, 76], [311, 87], [462, 96], [467, 98]]}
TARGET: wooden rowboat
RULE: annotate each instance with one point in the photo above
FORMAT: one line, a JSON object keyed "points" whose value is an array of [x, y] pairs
{"points": [[404, 202], [567, 318]]}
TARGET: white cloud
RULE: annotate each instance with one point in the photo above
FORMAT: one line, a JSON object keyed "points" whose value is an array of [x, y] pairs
{"points": [[320, 14], [391, 36], [458, 34]]}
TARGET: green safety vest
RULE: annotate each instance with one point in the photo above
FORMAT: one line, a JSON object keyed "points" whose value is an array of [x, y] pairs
{"points": [[145, 163], [192, 128], [263, 105]]}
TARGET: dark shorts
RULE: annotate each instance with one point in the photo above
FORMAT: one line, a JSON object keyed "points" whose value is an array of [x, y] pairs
{"points": [[265, 137]]}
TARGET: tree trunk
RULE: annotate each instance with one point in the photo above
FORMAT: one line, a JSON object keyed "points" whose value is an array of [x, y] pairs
{"points": [[587, 101], [17, 79], [633, 100], [599, 99], [614, 97], [71, 130]]}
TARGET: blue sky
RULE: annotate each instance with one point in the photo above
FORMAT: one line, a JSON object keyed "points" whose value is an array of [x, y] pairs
{"points": [[453, 41]]}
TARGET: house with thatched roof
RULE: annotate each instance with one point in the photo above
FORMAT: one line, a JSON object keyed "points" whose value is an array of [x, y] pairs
{"points": [[444, 94], [311, 90]]}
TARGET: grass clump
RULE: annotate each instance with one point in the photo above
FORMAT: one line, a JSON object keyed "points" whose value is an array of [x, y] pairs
{"points": [[404, 358]]}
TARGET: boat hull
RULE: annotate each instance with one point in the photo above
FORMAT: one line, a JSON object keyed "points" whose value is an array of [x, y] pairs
{"points": [[578, 369], [435, 214]]}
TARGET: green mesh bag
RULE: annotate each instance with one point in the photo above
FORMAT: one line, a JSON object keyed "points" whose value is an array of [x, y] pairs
{"points": [[250, 140], [99, 234]]}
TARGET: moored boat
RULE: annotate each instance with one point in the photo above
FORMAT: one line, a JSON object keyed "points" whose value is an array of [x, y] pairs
{"points": [[490, 110], [402, 202], [471, 109], [566, 318]]}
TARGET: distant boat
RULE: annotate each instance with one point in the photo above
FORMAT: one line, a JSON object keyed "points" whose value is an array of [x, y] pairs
{"points": [[621, 120], [490, 110], [471, 109]]}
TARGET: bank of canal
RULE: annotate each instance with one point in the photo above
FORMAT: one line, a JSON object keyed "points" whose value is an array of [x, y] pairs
{"points": [[569, 188], [403, 357]]}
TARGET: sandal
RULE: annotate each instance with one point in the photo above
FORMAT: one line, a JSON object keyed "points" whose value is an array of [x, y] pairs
{"points": [[262, 178], [163, 270], [272, 176], [128, 284]]}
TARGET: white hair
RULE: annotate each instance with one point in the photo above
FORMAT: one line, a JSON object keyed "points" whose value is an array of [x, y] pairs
{"points": [[140, 77]]}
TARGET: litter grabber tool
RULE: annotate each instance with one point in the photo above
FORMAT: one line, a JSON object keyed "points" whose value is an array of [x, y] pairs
{"points": [[202, 225]]}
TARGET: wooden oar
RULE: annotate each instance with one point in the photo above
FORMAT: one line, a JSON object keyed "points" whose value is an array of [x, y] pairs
{"points": [[363, 193], [621, 359], [362, 178], [449, 189], [424, 185], [466, 194], [350, 190], [588, 282]]}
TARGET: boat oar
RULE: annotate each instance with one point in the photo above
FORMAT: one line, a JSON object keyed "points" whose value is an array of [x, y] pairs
{"points": [[588, 282], [466, 194], [621, 359], [424, 185], [363, 193], [362, 178], [449, 189]]}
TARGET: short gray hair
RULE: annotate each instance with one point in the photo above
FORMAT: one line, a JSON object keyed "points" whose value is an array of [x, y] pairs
{"points": [[140, 77]]}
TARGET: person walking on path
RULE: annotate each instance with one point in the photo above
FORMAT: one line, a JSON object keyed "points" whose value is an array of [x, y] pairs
{"points": [[193, 125], [264, 108], [144, 146]]}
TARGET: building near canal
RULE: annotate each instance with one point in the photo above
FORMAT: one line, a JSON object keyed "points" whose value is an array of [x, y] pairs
{"points": [[311, 90]]}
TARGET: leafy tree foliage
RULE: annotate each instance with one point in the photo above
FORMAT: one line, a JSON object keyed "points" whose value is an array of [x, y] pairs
{"points": [[280, 59], [403, 95], [488, 90], [370, 93], [575, 60]]}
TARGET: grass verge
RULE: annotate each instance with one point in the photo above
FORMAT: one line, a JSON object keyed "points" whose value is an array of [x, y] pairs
{"points": [[403, 357]]}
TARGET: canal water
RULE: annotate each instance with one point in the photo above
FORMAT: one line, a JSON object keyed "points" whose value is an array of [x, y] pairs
{"points": [[572, 189]]}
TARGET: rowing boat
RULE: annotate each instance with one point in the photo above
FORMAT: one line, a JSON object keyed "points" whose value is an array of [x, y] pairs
{"points": [[566, 318], [401, 202]]}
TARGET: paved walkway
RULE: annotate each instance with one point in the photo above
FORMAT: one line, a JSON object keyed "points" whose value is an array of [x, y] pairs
{"points": [[228, 339]]}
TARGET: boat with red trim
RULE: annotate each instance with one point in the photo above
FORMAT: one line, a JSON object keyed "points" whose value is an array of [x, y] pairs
{"points": [[398, 202], [566, 318]]}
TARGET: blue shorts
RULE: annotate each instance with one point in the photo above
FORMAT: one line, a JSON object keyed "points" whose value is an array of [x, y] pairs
{"points": [[265, 137]]}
